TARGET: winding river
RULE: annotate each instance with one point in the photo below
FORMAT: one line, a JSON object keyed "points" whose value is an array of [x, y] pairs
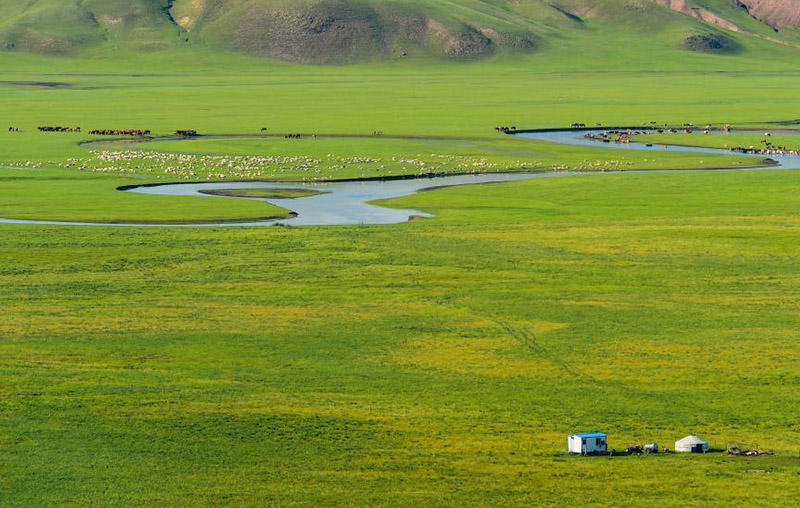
{"points": [[343, 203]]}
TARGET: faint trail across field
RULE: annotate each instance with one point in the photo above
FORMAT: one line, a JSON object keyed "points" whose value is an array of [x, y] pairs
{"points": [[529, 340]]}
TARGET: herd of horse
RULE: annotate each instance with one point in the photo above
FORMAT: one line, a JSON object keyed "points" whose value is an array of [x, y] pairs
{"points": [[105, 132], [146, 132], [48, 128]]}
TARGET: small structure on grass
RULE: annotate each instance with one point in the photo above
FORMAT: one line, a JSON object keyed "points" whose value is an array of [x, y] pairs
{"points": [[591, 443], [691, 444]]}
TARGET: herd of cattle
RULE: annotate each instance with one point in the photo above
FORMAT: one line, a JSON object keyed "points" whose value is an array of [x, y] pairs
{"points": [[625, 136], [768, 149]]}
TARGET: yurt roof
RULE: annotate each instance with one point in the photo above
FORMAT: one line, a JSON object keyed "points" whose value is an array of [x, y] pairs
{"points": [[691, 440]]}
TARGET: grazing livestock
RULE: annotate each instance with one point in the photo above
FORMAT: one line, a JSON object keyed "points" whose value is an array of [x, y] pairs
{"points": [[769, 149], [578, 126], [263, 129], [505, 128], [119, 132], [186, 132], [617, 136], [47, 128], [293, 136]]}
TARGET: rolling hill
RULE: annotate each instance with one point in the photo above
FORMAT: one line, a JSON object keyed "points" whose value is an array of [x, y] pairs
{"points": [[345, 31]]}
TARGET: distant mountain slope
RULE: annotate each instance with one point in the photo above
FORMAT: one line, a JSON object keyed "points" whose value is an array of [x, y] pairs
{"points": [[777, 13], [329, 31], [341, 31], [62, 26]]}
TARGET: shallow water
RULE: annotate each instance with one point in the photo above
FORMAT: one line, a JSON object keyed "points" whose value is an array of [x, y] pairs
{"points": [[342, 202], [346, 203]]}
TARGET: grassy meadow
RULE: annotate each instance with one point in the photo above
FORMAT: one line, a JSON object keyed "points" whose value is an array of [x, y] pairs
{"points": [[439, 362], [341, 366]]}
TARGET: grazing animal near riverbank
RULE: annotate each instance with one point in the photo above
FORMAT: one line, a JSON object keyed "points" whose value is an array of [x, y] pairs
{"points": [[119, 132], [769, 149]]}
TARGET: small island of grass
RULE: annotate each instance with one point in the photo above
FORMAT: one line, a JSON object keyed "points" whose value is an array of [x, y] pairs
{"points": [[264, 193]]}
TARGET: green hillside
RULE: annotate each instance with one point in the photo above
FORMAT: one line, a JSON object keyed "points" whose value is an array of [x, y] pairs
{"points": [[344, 31]]}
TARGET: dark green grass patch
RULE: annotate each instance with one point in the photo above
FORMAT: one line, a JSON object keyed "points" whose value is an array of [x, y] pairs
{"points": [[264, 193]]}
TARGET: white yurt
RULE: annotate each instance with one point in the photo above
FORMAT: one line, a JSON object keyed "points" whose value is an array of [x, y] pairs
{"points": [[691, 444]]}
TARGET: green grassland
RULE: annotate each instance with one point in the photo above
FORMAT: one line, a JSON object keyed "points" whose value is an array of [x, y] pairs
{"points": [[415, 107], [342, 366], [49, 194], [439, 362]]}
